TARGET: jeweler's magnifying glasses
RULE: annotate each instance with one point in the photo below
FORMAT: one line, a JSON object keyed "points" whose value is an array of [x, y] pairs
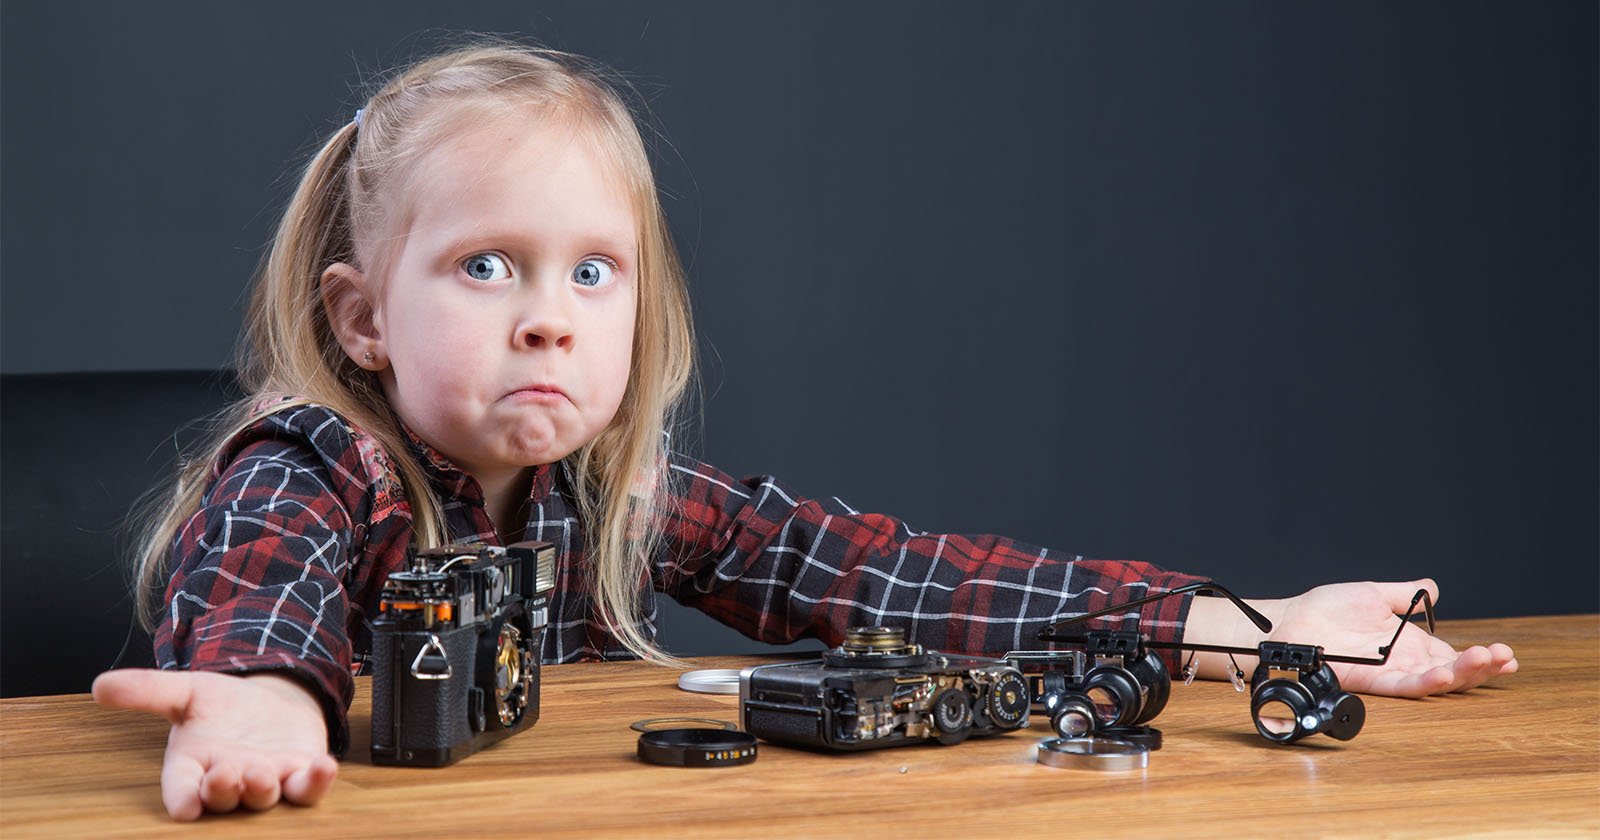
{"points": [[1294, 691]]}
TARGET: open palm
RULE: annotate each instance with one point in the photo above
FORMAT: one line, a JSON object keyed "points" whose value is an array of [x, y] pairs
{"points": [[235, 741], [1355, 619]]}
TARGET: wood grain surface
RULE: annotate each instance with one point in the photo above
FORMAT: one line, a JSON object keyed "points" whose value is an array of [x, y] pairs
{"points": [[1518, 757]]}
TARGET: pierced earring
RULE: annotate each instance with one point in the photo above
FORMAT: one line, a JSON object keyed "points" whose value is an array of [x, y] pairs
{"points": [[369, 358]]}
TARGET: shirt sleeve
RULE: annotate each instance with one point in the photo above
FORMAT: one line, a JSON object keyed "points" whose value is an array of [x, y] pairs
{"points": [[779, 567], [259, 571]]}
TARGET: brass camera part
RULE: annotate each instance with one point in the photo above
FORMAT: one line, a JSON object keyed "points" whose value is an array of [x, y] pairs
{"points": [[510, 677], [877, 640]]}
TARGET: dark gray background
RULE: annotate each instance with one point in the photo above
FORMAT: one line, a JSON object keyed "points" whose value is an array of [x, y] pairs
{"points": [[1276, 292]]}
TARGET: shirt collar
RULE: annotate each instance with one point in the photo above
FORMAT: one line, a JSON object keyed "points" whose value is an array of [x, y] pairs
{"points": [[458, 483]]}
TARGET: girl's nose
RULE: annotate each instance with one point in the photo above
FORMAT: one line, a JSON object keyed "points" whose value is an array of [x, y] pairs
{"points": [[546, 320]]}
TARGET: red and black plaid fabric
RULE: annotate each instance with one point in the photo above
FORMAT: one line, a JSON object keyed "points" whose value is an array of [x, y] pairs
{"points": [[282, 567]]}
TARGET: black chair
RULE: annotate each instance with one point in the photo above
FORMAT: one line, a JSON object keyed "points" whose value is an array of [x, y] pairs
{"points": [[77, 451]]}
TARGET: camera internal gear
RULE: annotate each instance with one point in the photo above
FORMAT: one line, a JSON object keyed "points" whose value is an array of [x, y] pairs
{"points": [[878, 690]]}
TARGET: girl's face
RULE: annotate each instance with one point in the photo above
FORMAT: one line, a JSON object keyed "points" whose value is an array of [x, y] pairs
{"points": [[507, 318]]}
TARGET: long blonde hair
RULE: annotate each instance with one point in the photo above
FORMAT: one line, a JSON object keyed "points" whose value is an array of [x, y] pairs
{"points": [[351, 193]]}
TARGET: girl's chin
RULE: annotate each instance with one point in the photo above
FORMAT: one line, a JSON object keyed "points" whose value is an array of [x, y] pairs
{"points": [[531, 451]]}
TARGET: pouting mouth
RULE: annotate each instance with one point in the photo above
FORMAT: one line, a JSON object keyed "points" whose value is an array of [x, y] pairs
{"points": [[538, 390]]}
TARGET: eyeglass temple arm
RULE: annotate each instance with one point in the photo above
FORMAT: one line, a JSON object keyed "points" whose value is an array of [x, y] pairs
{"points": [[1421, 597], [1053, 631]]}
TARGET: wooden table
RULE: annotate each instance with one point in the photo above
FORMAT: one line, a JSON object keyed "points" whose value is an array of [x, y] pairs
{"points": [[1519, 757]]}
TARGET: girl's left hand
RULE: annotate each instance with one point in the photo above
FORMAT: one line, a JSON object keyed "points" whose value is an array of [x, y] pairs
{"points": [[1357, 618]]}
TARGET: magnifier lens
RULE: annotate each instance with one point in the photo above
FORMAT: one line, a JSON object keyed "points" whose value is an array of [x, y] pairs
{"points": [[1073, 723], [1276, 719], [1105, 703]]}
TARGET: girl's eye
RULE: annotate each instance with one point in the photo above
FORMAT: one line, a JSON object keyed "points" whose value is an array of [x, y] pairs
{"points": [[485, 268], [595, 271]]}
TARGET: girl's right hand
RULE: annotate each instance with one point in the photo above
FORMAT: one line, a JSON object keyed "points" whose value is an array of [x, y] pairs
{"points": [[235, 740]]}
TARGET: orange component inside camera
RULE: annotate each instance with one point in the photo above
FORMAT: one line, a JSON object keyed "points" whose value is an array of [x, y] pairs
{"points": [[441, 612]]}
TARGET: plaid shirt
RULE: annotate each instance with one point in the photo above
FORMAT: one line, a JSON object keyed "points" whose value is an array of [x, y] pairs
{"points": [[282, 566]]}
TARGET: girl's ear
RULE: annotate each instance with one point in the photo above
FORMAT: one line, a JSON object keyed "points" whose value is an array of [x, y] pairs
{"points": [[348, 299]]}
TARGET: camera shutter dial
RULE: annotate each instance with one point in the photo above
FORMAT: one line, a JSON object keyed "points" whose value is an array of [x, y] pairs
{"points": [[1008, 700]]}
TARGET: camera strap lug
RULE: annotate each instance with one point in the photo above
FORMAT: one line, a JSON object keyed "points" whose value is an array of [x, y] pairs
{"points": [[427, 664]]}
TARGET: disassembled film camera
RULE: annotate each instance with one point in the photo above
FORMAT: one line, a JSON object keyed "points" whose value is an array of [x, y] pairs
{"points": [[1115, 683], [877, 690], [455, 651]]}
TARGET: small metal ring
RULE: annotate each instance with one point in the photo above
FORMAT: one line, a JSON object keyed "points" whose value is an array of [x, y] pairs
{"points": [[1092, 754], [654, 724], [711, 681]]}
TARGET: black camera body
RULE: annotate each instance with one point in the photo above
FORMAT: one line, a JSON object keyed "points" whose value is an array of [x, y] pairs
{"points": [[455, 651], [878, 691]]}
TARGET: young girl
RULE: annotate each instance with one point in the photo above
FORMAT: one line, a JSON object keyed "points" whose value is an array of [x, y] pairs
{"points": [[472, 326]]}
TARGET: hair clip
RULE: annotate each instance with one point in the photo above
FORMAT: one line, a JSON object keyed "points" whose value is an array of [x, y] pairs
{"points": [[357, 119]]}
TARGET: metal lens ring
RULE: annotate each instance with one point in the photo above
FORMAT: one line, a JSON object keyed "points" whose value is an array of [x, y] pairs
{"points": [[1284, 711], [1092, 754], [660, 723]]}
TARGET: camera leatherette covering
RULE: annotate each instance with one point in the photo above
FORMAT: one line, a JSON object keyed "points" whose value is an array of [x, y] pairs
{"points": [[435, 713]]}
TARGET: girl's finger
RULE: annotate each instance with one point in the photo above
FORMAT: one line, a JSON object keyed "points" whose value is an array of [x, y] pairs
{"points": [[260, 787], [1398, 595], [1505, 660], [219, 789], [308, 784], [180, 786], [166, 693], [1397, 683], [1471, 668]]}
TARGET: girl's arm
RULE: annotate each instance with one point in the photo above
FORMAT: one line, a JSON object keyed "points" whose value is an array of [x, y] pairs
{"points": [[778, 567], [254, 643]]}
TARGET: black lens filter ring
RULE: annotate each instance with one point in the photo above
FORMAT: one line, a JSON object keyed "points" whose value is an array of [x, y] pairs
{"points": [[697, 747], [1148, 737]]}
